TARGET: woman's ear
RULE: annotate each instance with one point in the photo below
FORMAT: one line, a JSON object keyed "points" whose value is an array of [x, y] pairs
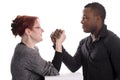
{"points": [[27, 31]]}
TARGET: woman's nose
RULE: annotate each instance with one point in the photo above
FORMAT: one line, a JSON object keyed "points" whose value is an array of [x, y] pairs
{"points": [[42, 30]]}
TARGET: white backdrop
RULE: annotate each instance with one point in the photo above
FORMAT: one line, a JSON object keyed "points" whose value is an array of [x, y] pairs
{"points": [[64, 14]]}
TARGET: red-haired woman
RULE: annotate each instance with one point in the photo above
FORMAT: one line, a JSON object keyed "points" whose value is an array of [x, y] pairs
{"points": [[26, 63]]}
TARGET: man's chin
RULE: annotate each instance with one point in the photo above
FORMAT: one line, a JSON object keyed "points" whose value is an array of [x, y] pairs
{"points": [[86, 31]]}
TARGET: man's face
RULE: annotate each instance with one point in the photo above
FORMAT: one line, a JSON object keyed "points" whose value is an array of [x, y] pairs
{"points": [[89, 21]]}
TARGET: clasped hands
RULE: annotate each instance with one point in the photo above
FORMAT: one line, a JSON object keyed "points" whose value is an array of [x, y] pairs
{"points": [[57, 37]]}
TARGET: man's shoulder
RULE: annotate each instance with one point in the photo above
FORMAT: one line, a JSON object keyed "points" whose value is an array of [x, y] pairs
{"points": [[84, 39], [109, 35]]}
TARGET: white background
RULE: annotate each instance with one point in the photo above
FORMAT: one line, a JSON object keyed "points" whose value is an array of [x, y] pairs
{"points": [[64, 14]]}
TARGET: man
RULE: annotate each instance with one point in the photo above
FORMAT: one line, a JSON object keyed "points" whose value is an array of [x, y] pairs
{"points": [[99, 53]]}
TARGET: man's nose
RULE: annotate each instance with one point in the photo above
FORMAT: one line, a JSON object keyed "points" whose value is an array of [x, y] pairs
{"points": [[82, 21]]}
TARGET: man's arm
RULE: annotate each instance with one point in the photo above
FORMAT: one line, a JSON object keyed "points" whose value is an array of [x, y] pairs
{"points": [[114, 49], [72, 62], [57, 61]]}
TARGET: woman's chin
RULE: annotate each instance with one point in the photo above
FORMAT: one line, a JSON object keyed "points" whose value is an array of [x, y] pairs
{"points": [[39, 40]]}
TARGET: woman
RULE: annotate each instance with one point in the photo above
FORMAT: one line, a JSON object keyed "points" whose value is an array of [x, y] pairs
{"points": [[26, 63]]}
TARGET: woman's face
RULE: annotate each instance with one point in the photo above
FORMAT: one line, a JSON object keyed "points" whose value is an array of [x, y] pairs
{"points": [[36, 32]]}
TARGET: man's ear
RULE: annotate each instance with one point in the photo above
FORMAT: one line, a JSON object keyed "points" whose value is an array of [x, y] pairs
{"points": [[98, 18], [27, 31]]}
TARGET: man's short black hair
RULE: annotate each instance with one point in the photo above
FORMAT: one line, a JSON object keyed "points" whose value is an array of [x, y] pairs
{"points": [[98, 9]]}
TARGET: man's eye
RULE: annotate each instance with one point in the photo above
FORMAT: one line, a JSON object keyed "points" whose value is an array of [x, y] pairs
{"points": [[84, 17]]}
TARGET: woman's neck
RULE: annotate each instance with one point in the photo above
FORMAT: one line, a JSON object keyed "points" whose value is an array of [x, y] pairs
{"points": [[28, 42]]}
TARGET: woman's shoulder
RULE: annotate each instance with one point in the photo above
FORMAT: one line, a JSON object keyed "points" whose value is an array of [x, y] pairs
{"points": [[23, 49]]}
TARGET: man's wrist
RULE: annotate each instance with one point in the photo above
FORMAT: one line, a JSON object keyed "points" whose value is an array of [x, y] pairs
{"points": [[58, 47]]}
